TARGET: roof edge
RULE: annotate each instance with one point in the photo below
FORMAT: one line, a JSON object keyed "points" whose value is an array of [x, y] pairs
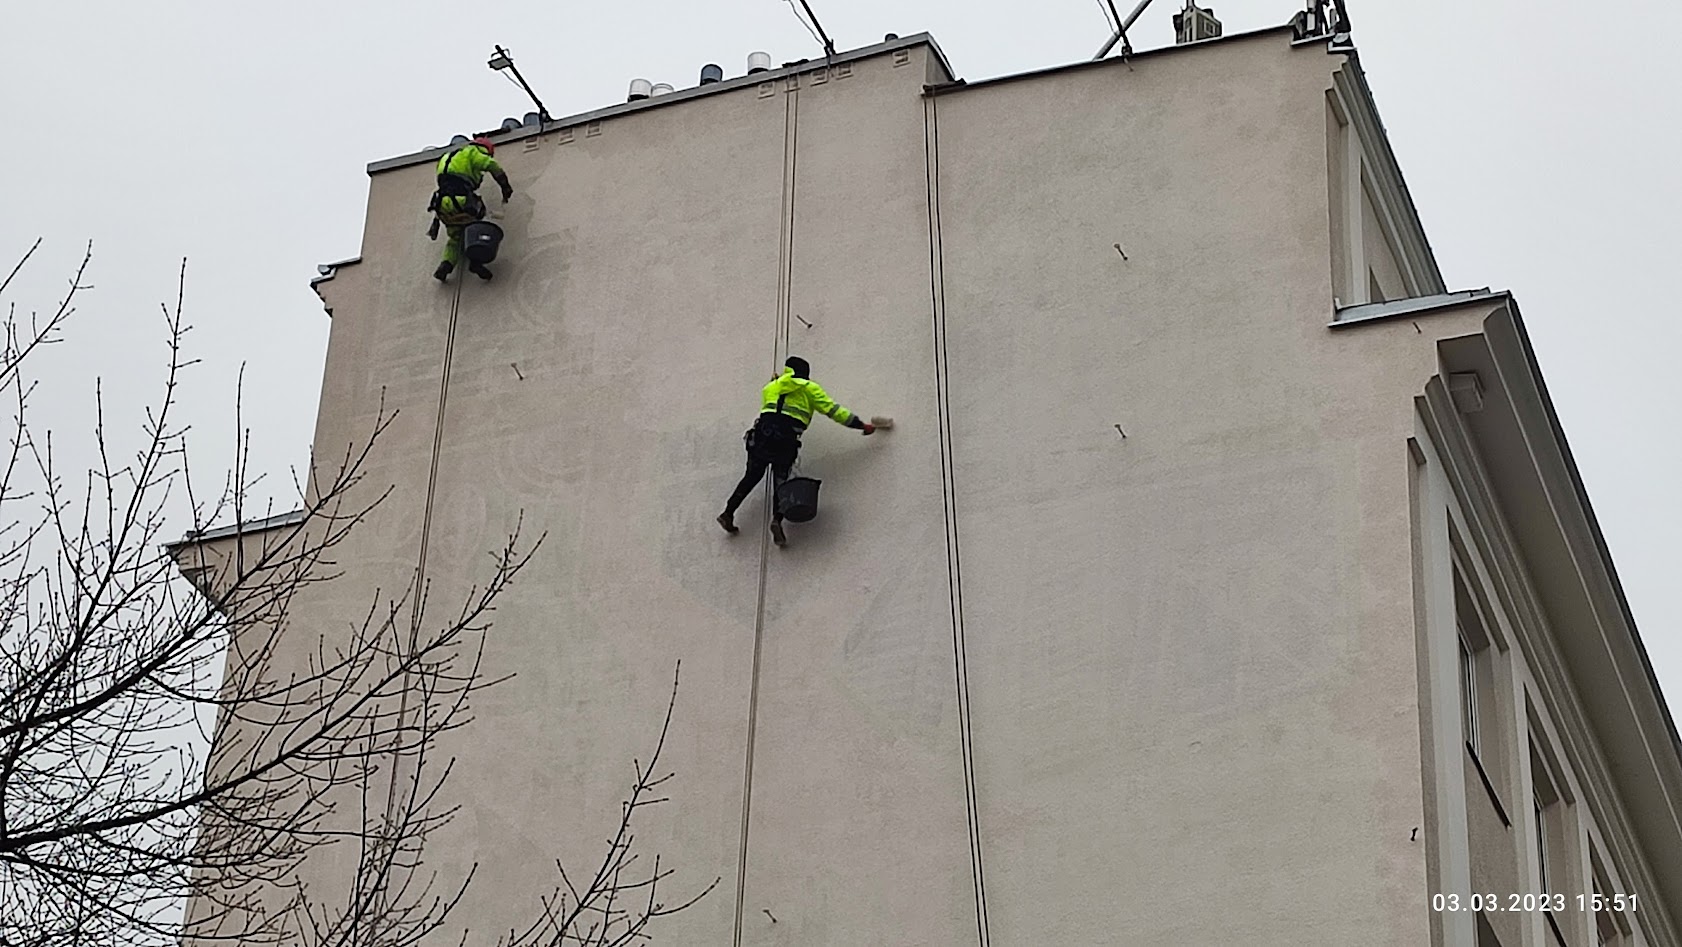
{"points": [[1412, 306], [245, 528], [1601, 548], [964, 85], [329, 270], [671, 98], [1651, 791]]}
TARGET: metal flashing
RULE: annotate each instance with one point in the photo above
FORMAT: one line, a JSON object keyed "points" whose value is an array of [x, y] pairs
{"points": [[236, 529], [330, 270], [1418, 305], [682, 95]]}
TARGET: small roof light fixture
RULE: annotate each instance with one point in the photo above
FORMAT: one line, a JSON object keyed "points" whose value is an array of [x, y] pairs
{"points": [[502, 60]]}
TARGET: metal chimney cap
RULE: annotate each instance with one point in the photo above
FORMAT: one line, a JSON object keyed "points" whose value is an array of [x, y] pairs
{"points": [[660, 88], [711, 73], [758, 62], [640, 89]]}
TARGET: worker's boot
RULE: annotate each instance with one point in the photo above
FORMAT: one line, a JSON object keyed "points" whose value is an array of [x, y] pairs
{"points": [[777, 535], [479, 270], [728, 522], [442, 273]]}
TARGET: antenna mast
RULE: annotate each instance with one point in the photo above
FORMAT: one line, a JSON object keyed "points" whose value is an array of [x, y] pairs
{"points": [[828, 44], [1121, 32]]}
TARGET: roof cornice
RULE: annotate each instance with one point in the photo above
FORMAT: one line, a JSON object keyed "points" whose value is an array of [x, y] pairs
{"points": [[1620, 739], [429, 155]]}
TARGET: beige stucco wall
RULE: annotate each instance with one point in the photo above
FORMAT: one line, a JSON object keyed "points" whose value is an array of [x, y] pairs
{"points": [[1191, 648], [260, 576], [1190, 651], [599, 388]]}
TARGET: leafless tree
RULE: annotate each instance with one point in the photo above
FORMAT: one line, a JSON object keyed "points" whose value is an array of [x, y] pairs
{"points": [[160, 745], [617, 904]]}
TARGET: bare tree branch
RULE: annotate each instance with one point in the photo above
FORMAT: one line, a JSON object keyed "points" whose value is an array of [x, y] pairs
{"points": [[175, 729], [603, 913]]}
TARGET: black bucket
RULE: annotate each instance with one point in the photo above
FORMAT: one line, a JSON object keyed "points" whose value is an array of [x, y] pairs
{"points": [[797, 499], [479, 241]]}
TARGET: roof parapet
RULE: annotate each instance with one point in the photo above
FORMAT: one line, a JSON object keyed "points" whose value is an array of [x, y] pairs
{"points": [[672, 98]]}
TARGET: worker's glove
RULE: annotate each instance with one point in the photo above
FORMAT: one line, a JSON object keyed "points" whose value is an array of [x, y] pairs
{"points": [[507, 192], [868, 428], [432, 231]]}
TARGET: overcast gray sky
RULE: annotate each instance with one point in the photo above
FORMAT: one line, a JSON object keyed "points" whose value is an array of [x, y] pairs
{"points": [[1540, 142]]}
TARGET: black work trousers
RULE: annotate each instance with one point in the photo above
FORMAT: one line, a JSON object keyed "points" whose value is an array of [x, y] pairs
{"points": [[774, 442]]}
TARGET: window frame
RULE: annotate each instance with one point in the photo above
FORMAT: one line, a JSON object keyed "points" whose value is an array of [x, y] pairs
{"points": [[1471, 733], [1550, 801]]}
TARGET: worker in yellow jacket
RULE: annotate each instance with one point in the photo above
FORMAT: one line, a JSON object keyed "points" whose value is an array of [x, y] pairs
{"points": [[456, 203], [786, 407]]}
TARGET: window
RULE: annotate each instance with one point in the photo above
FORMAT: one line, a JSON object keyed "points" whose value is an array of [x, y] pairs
{"points": [[1486, 934], [1479, 707], [1605, 928], [1552, 858], [1610, 928], [1469, 694]]}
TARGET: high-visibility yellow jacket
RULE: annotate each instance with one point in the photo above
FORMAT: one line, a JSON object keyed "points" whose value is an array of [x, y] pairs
{"points": [[800, 398], [469, 162]]}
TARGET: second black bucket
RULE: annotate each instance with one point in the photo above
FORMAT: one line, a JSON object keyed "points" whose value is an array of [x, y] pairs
{"points": [[479, 241], [797, 499]]}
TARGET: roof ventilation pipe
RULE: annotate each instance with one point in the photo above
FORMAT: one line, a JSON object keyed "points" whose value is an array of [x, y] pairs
{"points": [[640, 89], [660, 88], [758, 62], [890, 37], [460, 140], [711, 73], [509, 124], [532, 118]]}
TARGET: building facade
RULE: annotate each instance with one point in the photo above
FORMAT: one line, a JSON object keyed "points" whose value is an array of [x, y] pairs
{"points": [[1226, 580]]}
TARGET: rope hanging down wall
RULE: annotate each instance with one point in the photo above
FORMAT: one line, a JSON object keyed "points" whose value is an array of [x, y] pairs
{"points": [[954, 558], [779, 351], [419, 590]]}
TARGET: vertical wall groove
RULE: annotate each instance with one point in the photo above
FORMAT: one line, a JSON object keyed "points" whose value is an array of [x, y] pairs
{"points": [[954, 559], [785, 281]]}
